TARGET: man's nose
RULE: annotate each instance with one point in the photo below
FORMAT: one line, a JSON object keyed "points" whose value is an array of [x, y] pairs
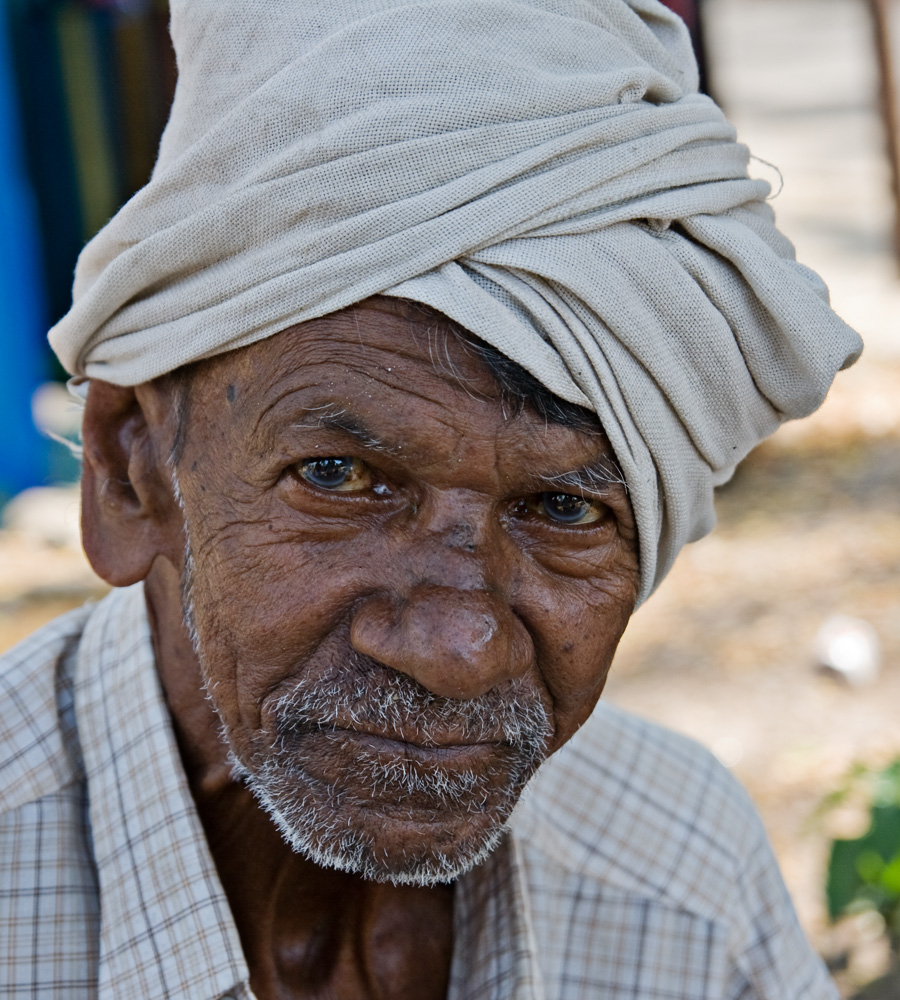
{"points": [[456, 643]]}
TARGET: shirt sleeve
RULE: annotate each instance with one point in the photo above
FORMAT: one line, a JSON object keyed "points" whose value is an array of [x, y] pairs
{"points": [[772, 959]]}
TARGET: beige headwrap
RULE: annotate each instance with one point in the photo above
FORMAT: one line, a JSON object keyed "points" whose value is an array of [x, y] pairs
{"points": [[541, 171]]}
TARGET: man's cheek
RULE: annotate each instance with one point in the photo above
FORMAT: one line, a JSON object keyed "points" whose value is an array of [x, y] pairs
{"points": [[575, 659], [257, 576], [261, 606]]}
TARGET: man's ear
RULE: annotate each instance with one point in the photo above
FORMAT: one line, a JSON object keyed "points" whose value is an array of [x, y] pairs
{"points": [[129, 515]]}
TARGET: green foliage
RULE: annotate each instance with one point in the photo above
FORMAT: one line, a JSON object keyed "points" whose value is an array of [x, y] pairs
{"points": [[864, 874]]}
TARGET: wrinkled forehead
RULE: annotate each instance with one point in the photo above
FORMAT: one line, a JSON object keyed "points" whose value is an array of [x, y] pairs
{"points": [[367, 350], [386, 378]]}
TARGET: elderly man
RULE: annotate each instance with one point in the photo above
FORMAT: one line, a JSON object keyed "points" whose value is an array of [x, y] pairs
{"points": [[407, 376]]}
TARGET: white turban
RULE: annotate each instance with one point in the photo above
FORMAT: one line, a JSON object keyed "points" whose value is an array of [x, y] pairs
{"points": [[541, 171]]}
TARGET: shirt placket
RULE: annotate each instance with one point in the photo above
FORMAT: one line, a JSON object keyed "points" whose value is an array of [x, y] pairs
{"points": [[494, 951]]}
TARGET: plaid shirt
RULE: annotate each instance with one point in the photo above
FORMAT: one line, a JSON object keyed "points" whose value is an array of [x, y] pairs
{"points": [[634, 868]]}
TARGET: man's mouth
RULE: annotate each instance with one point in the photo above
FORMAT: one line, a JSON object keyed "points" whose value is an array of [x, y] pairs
{"points": [[390, 743], [381, 742], [358, 709]]}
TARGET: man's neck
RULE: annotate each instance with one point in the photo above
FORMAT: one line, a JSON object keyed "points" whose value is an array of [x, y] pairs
{"points": [[309, 931]]}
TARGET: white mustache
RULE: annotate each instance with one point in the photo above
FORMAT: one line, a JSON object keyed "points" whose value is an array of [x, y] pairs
{"points": [[365, 695]]}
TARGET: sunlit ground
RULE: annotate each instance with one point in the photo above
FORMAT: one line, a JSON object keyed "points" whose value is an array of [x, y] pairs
{"points": [[809, 527]]}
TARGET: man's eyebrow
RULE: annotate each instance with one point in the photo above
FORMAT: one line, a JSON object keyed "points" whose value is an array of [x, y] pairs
{"points": [[594, 477], [335, 418]]}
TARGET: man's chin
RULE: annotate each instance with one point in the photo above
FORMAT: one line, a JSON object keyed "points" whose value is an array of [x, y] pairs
{"points": [[397, 841], [401, 854]]}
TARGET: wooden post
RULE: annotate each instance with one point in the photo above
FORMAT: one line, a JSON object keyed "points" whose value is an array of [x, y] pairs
{"points": [[890, 106]]}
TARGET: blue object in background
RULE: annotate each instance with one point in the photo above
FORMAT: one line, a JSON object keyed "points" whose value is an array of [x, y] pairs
{"points": [[24, 453]]}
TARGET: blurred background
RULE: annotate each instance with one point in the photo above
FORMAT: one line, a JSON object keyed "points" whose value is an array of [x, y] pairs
{"points": [[775, 641]]}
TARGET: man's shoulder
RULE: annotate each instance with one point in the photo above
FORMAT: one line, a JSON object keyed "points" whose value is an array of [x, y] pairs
{"points": [[35, 701], [643, 810]]}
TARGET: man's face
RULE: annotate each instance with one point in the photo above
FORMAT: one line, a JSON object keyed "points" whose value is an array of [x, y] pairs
{"points": [[403, 597]]}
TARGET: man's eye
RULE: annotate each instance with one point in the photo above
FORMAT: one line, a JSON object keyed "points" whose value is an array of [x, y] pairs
{"points": [[565, 508], [345, 475]]}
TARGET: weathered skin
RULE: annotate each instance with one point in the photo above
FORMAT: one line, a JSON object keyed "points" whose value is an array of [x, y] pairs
{"points": [[450, 572]]}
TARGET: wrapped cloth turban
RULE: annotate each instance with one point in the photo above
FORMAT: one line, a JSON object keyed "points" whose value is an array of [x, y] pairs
{"points": [[541, 171]]}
